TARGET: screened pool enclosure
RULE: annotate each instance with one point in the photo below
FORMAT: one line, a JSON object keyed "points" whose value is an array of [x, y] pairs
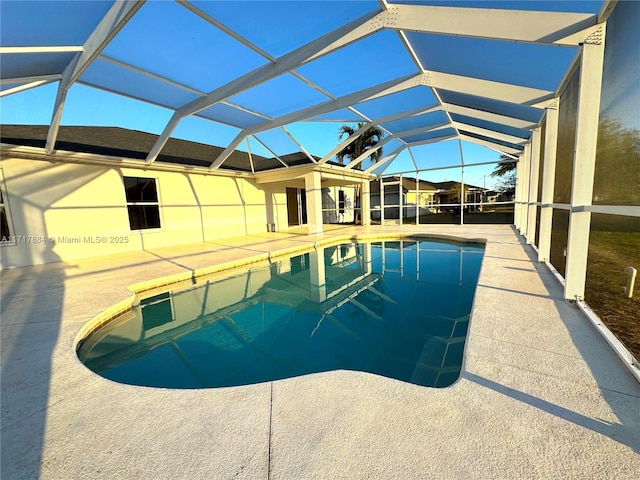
{"points": [[457, 87]]}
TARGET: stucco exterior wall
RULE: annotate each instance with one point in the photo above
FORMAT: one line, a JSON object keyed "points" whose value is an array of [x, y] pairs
{"points": [[64, 211]]}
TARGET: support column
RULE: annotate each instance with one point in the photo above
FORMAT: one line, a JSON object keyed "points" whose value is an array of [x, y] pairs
{"points": [[584, 162], [367, 258], [365, 203], [317, 276], [548, 181], [381, 202], [534, 172], [418, 198], [400, 202], [313, 191], [516, 197], [525, 162], [461, 194], [462, 199]]}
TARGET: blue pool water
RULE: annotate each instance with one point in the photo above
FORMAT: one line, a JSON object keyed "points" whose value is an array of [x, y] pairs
{"points": [[394, 308]]}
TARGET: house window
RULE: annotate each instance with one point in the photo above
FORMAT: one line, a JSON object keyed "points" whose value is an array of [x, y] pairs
{"points": [[156, 311], [142, 202], [341, 200], [5, 229]]}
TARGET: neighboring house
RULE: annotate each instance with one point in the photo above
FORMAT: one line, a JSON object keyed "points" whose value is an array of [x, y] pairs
{"points": [[407, 192], [449, 193], [420, 197], [491, 196]]}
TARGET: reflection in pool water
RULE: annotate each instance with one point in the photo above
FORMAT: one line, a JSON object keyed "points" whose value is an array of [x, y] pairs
{"points": [[398, 309]]}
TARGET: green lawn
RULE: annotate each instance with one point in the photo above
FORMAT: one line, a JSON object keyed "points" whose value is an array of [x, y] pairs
{"points": [[609, 254]]}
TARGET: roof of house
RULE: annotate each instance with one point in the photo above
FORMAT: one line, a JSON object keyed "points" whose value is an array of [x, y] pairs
{"points": [[408, 183], [121, 142], [448, 184]]}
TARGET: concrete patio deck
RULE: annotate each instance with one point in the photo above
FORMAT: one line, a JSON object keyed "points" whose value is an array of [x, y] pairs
{"points": [[541, 396]]}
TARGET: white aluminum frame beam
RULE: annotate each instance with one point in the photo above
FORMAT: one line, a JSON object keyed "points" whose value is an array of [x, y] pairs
{"points": [[113, 21], [282, 65], [173, 83], [385, 159], [430, 169], [555, 28], [376, 91], [321, 46], [548, 181], [493, 146], [397, 151], [490, 133], [347, 34], [489, 116], [505, 92], [378, 121], [584, 161], [275, 155], [516, 208], [395, 136], [385, 88], [41, 49], [525, 163], [34, 78], [302, 149], [24, 86], [534, 173], [371, 151], [415, 131], [346, 142], [558, 28], [474, 86]]}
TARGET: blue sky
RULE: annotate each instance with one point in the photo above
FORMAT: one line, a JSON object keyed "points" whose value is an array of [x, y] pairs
{"points": [[318, 138], [169, 41]]}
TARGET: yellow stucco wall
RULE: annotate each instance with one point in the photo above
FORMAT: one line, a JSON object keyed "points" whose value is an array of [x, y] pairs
{"points": [[81, 210]]}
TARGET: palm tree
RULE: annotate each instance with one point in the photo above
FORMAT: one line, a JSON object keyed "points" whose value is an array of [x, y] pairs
{"points": [[366, 141], [506, 171], [506, 165], [453, 194]]}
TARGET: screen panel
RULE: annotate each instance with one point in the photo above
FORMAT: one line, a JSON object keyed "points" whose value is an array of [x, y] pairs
{"points": [[402, 101], [617, 177], [167, 39], [373, 60], [230, 115], [489, 105], [105, 74], [496, 127], [530, 65], [567, 118], [298, 20], [282, 95], [559, 236], [38, 23], [417, 121], [614, 245], [34, 64], [434, 155]]}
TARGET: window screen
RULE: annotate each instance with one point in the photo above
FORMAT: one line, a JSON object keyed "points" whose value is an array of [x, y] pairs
{"points": [[142, 203]]}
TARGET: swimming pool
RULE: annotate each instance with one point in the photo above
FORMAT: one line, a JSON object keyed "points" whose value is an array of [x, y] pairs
{"points": [[394, 308]]}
